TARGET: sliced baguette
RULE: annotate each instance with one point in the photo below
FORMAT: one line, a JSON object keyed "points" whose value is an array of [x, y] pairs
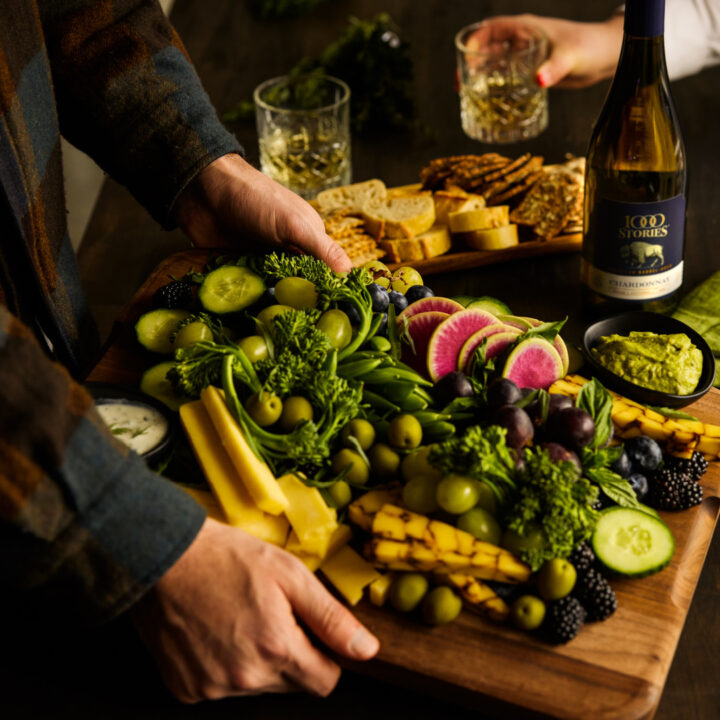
{"points": [[399, 217], [492, 238], [447, 202], [407, 190], [482, 219], [352, 197], [431, 243]]}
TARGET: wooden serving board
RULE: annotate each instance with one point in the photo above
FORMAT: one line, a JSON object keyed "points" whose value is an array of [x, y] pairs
{"points": [[613, 669], [466, 259]]}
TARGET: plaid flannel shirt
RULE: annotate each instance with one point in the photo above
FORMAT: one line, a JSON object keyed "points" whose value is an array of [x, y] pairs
{"points": [[81, 518]]}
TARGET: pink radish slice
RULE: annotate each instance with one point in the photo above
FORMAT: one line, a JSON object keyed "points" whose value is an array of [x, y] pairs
{"points": [[430, 304], [534, 363], [420, 328], [497, 342]]}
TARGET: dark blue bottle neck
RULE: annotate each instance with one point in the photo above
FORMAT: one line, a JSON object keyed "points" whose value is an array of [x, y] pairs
{"points": [[644, 18]]}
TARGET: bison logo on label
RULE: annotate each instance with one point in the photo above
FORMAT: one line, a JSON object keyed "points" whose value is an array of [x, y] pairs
{"points": [[639, 253]]}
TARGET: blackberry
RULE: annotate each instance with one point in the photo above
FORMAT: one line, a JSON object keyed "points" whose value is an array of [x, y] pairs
{"points": [[674, 490], [595, 595], [582, 558], [563, 620], [694, 466], [176, 295]]}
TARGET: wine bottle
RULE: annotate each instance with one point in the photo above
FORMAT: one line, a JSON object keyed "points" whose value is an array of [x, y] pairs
{"points": [[635, 180]]}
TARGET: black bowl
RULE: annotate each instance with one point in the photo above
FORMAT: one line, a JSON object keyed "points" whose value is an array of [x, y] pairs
{"points": [[106, 392], [648, 322]]}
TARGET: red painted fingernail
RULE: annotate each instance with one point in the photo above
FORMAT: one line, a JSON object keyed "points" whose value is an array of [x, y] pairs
{"points": [[543, 79]]}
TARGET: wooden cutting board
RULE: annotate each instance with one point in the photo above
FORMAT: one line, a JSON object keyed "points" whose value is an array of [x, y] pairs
{"points": [[613, 669]]}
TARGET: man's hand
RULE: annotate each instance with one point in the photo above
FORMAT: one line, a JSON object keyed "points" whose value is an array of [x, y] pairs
{"points": [[222, 621], [580, 54], [231, 204]]}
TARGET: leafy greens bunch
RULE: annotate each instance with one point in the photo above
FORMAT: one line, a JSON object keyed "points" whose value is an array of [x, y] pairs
{"points": [[552, 496]]}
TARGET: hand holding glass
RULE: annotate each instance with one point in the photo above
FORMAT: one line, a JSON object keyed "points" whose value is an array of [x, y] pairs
{"points": [[501, 100]]}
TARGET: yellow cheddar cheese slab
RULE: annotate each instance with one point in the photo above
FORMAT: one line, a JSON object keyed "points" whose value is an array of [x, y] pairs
{"points": [[340, 537], [349, 573], [311, 518], [254, 473], [238, 508]]}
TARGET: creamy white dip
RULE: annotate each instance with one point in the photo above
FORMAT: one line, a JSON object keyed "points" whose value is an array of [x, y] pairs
{"points": [[140, 427]]}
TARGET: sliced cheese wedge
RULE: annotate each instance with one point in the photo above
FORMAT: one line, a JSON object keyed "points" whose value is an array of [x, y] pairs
{"points": [[253, 472], [235, 504], [349, 573], [338, 539]]}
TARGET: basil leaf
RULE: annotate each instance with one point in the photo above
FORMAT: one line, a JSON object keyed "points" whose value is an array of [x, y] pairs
{"points": [[617, 488], [596, 400], [547, 330]]}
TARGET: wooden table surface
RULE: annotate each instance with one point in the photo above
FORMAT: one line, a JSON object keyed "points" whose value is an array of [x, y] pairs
{"points": [[233, 53]]}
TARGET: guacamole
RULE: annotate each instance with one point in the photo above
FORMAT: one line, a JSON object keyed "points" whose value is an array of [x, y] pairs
{"points": [[669, 363]]}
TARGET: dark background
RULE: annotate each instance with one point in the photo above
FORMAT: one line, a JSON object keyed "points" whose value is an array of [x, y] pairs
{"points": [[106, 674]]}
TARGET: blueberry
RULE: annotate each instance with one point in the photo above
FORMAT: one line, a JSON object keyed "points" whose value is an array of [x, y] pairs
{"points": [[351, 311], [398, 300], [417, 292], [379, 297], [622, 466], [644, 453], [639, 484]]}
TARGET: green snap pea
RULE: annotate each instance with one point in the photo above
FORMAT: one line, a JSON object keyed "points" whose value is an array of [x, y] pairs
{"points": [[359, 368], [441, 430], [378, 402]]}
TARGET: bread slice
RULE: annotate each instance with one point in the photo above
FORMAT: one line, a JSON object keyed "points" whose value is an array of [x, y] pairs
{"points": [[431, 243], [352, 197], [406, 190], [447, 201], [399, 217], [481, 219], [492, 238]]}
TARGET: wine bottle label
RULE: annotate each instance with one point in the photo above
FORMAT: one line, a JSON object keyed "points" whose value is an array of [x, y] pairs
{"points": [[634, 251]]}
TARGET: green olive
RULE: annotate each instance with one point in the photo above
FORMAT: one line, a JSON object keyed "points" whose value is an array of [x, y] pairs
{"points": [[407, 591], [359, 471], [456, 494], [295, 409], [264, 408], [336, 325], [384, 461], [527, 612], [296, 292], [340, 493], [481, 525], [254, 347], [361, 430], [267, 315], [405, 431], [441, 605], [417, 463], [556, 579], [420, 494], [533, 539], [193, 332]]}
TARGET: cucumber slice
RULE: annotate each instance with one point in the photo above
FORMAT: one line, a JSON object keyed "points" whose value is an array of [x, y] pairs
{"points": [[464, 300], [230, 289], [154, 383], [154, 329], [632, 543], [491, 304]]}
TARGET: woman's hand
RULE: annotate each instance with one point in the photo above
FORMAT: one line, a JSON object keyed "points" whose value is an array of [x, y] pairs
{"points": [[231, 204], [580, 54], [224, 621]]}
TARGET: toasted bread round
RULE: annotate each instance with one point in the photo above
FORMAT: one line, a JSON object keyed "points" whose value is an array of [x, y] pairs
{"points": [[481, 219], [492, 238]]}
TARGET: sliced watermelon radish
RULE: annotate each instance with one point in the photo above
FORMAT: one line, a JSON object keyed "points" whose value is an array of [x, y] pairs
{"points": [[430, 304], [497, 341], [475, 340], [558, 342], [534, 363], [516, 321], [420, 328], [449, 337]]}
